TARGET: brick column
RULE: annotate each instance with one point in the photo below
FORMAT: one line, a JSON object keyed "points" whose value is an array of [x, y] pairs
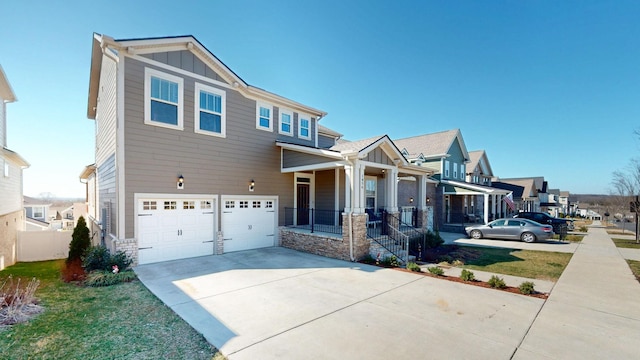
{"points": [[360, 242]]}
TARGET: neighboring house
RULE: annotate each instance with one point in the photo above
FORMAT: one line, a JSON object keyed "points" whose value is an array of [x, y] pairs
{"points": [[457, 200], [38, 209], [191, 160], [11, 167], [525, 192]]}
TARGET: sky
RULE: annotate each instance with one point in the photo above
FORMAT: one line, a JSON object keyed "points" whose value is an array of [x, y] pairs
{"points": [[546, 88]]}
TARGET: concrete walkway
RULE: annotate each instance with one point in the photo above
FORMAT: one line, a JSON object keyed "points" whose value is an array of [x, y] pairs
{"points": [[593, 311]]}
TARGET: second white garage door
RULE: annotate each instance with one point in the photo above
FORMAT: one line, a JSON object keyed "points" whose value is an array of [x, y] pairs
{"points": [[248, 223]]}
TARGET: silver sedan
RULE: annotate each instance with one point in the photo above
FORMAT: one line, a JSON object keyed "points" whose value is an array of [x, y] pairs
{"points": [[511, 229]]}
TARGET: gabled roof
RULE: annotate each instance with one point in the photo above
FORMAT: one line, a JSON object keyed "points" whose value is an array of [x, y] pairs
{"points": [[528, 186], [538, 181], [86, 172], [6, 92], [435, 145], [363, 147], [479, 157], [131, 47]]}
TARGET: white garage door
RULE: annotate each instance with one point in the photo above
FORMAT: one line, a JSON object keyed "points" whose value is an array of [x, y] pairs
{"points": [[171, 229], [248, 223]]}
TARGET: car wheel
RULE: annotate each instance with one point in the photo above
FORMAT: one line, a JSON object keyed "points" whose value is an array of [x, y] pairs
{"points": [[476, 234], [528, 237]]}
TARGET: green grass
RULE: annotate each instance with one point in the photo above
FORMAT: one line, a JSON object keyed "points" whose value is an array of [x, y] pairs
{"points": [[543, 265], [626, 243], [123, 321], [635, 268]]}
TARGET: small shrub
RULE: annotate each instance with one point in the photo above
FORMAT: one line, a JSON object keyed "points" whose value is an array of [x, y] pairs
{"points": [[457, 262], [107, 278], [18, 302], [527, 288], [73, 271], [414, 267], [391, 261], [583, 228], [497, 282], [80, 241], [467, 275], [435, 270], [100, 258], [368, 259]]}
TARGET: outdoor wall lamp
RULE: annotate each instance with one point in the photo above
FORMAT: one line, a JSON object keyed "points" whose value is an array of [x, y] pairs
{"points": [[252, 185], [428, 199], [180, 184], [411, 200]]}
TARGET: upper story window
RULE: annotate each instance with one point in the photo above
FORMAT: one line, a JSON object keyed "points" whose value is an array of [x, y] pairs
{"points": [[446, 168], [286, 122], [455, 170], [264, 118], [462, 171], [38, 212], [210, 111], [163, 99], [304, 127]]}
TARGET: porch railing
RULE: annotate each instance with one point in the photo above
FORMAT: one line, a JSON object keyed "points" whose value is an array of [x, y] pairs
{"points": [[314, 220], [395, 234]]}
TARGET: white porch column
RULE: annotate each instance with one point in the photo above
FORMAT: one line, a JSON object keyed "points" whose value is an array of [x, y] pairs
{"points": [[358, 191], [494, 205], [391, 195], [348, 186], [422, 192], [486, 208]]}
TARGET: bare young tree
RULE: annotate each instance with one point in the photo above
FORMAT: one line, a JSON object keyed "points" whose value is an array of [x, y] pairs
{"points": [[626, 184]]}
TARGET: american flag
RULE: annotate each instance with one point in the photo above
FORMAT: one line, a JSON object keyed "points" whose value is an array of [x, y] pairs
{"points": [[509, 200]]}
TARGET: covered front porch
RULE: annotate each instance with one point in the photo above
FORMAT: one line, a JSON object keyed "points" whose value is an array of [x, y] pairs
{"points": [[467, 203], [349, 194]]}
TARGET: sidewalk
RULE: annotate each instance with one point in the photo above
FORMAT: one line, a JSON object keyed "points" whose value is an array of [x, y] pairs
{"points": [[593, 311]]}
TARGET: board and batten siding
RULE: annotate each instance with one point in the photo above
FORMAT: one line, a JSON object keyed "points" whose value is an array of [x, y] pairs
{"points": [[379, 156], [325, 142], [10, 187], [325, 190], [156, 156]]}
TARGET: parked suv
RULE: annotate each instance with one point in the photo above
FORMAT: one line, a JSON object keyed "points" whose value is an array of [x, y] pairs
{"points": [[544, 218]]}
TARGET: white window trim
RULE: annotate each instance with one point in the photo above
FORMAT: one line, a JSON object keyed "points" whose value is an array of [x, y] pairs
{"points": [[446, 168], [266, 106], [5, 167], [33, 212], [455, 171], [300, 118], [462, 171], [148, 73], [375, 191], [223, 117], [290, 113]]}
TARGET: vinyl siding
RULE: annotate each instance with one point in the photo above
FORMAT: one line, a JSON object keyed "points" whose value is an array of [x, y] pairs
{"points": [[294, 139], [156, 156], [106, 174], [294, 158], [185, 60], [3, 123], [325, 190], [10, 187], [325, 142], [106, 126]]}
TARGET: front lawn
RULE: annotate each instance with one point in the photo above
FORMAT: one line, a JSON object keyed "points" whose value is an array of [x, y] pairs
{"points": [[543, 265], [635, 268], [123, 321], [626, 243], [569, 237]]}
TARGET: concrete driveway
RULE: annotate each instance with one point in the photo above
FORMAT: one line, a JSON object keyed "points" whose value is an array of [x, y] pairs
{"points": [[277, 303]]}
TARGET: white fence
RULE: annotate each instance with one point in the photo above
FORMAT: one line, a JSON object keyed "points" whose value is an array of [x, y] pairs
{"points": [[43, 245]]}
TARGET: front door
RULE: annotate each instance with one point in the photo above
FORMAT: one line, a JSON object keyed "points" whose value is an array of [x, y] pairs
{"points": [[302, 204]]}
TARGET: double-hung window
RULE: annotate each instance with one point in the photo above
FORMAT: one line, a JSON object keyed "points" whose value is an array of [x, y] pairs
{"points": [[446, 168], [455, 171], [264, 118], [286, 122], [163, 99], [304, 126], [462, 171], [210, 110]]}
